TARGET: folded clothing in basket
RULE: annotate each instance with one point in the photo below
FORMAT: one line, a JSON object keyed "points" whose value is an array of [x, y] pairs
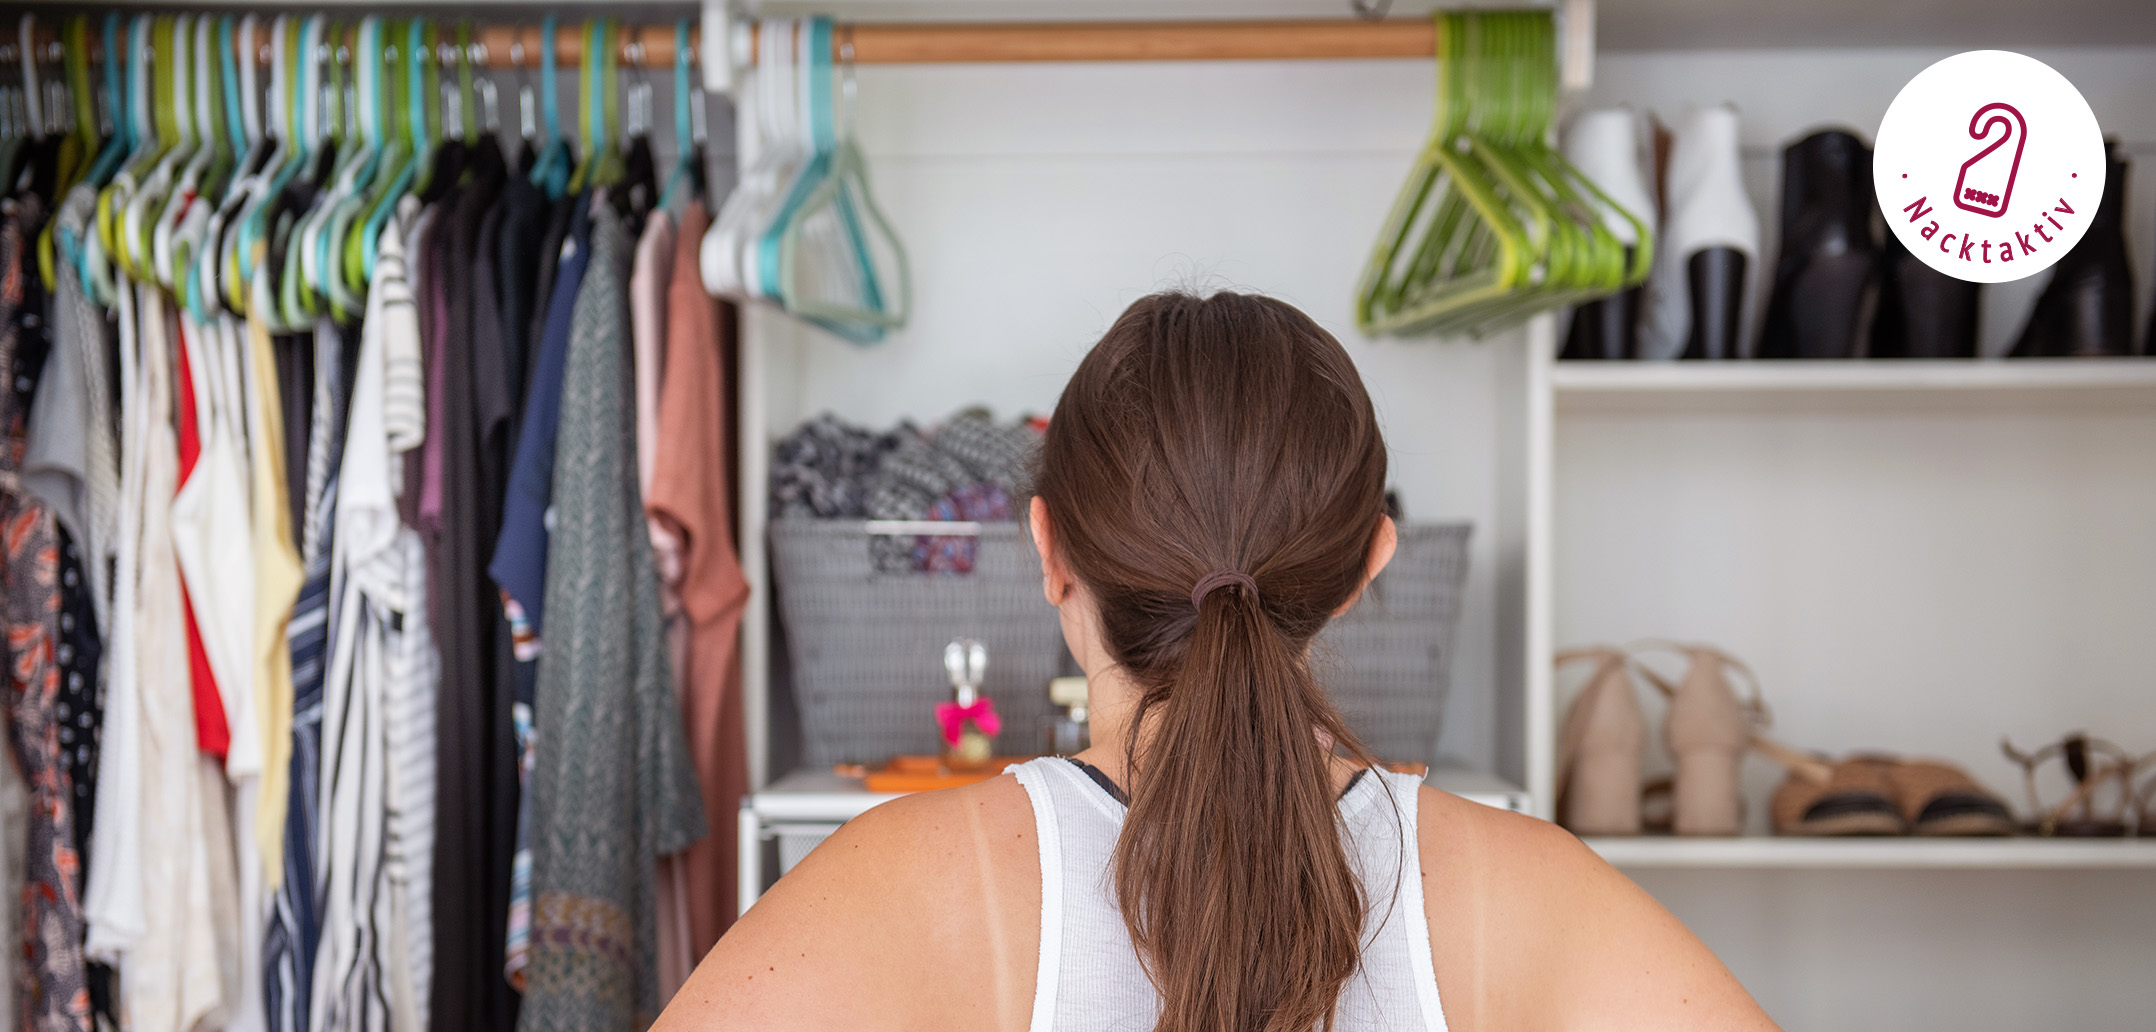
{"points": [[969, 468]]}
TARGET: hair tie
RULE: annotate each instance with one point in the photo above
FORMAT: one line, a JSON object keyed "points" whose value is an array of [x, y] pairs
{"points": [[1221, 579]]}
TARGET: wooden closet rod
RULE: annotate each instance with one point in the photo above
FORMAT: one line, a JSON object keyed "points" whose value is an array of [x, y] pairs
{"points": [[1134, 41], [652, 45]]}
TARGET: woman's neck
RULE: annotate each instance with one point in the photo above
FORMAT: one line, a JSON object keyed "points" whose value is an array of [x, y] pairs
{"points": [[1111, 707]]}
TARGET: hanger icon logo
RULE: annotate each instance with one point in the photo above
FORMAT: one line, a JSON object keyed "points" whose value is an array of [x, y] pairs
{"points": [[1986, 183], [1961, 186]]}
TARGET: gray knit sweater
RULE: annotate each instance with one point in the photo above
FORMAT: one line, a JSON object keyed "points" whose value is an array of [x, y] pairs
{"points": [[613, 786]]}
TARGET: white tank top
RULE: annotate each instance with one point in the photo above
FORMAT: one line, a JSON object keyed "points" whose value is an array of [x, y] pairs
{"points": [[1090, 977]]}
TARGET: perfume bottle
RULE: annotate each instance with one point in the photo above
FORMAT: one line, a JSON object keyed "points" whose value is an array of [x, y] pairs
{"points": [[1067, 733], [969, 721]]}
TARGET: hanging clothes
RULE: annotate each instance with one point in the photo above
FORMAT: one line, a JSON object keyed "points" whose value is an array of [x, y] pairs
{"points": [[73, 458], [290, 613], [518, 567], [618, 793], [51, 993], [72, 463], [378, 728], [476, 792], [691, 509]]}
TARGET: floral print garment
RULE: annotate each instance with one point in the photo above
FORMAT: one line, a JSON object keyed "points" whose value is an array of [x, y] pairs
{"points": [[50, 988]]}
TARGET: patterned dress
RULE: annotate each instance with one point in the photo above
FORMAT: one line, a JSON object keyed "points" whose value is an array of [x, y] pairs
{"points": [[50, 990]]}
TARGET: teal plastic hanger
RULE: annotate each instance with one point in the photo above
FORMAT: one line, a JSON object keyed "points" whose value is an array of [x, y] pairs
{"points": [[683, 177], [551, 171], [829, 227], [412, 87], [118, 144]]}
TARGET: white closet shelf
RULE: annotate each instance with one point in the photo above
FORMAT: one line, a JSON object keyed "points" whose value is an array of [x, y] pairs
{"points": [[1765, 852], [1877, 384]]}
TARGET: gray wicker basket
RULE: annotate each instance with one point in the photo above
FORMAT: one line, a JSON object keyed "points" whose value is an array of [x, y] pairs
{"points": [[866, 648], [1388, 663]]}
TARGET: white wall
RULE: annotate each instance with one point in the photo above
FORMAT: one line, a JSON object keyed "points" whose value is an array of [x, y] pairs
{"points": [[1037, 201]]}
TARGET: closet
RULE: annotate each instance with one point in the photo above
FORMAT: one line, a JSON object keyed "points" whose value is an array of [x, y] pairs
{"points": [[1921, 557]]}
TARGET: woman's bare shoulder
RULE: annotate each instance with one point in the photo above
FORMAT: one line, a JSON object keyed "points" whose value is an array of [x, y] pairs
{"points": [[1529, 928], [870, 929]]}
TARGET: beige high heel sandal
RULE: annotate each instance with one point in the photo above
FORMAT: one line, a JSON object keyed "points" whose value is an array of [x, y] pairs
{"points": [[1598, 752], [1708, 731]]}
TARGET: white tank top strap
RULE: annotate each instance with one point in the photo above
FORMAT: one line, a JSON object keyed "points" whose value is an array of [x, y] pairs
{"points": [[1090, 976]]}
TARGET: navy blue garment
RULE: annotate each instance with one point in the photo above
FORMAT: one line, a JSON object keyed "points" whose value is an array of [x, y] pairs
{"points": [[519, 564]]}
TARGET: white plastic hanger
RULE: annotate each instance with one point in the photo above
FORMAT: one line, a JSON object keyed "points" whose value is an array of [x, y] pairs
{"points": [[166, 245], [771, 95], [138, 223]]}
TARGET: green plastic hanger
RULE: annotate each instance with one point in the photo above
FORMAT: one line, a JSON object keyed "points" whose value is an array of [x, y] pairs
{"points": [[200, 258], [331, 273], [250, 238], [402, 83], [295, 294], [79, 148], [278, 287], [1493, 225], [186, 212], [101, 251], [175, 130], [586, 106], [420, 39], [379, 81], [608, 168], [1450, 239], [244, 100]]}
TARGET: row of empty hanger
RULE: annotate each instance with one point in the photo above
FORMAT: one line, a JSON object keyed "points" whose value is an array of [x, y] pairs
{"points": [[1493, 224], [307, 131], [802, 229]]}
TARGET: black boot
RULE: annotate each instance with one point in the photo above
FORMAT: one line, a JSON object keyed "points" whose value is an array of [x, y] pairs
{"points": [[1716, 278], [2088, 308], [1605, 329], [1827, 274], [1923, 313]]}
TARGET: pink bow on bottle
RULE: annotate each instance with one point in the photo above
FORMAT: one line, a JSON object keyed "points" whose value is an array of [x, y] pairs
{"points": [[953, 717]]}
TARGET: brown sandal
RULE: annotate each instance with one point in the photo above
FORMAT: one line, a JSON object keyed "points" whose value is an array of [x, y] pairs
{"points": [[1854, 797], [1941, 799], [2094, 764]]}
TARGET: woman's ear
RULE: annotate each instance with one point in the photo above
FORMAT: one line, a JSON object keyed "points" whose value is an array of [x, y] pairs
{"points": [[1382, 545], [1055, 580]]}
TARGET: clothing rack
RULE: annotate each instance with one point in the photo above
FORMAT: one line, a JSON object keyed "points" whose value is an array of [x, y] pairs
{"points": [[652, 45]]}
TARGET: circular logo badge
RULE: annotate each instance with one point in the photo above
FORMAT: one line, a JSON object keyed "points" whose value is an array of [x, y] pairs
{"points": [[1989, 166]]}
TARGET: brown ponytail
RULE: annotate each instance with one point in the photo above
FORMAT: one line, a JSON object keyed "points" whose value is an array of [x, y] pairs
{"points": [[1226, 433]]}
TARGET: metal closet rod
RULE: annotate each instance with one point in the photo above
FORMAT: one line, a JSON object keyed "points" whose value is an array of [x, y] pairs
{"points": [[652, 45]]}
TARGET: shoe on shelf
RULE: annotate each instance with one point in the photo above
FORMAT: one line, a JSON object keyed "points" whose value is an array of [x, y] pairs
{"points": [[1940, 799], [1708, 730], [1694, 301], [1598, 751], [1826, 277], [2145, 801], [1923, 313], [1605, 146], [2088, 307], [2102, 775], [1823, 799]]}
